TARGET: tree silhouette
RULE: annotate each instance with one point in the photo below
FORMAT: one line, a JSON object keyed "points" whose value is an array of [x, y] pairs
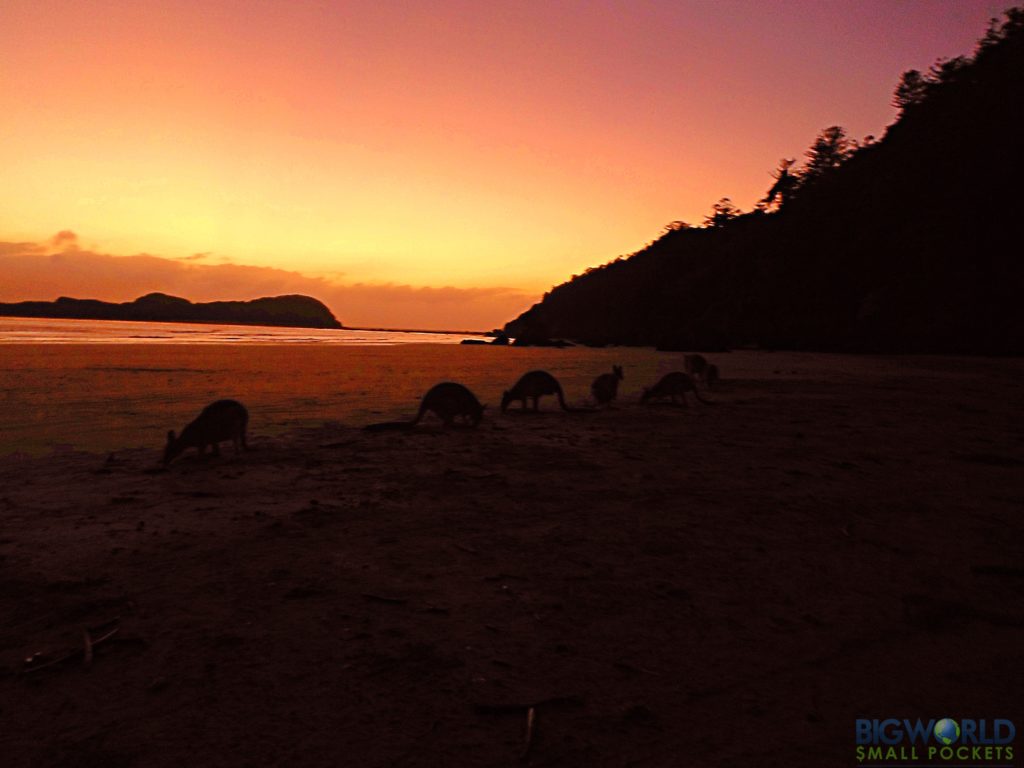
{"points": [[828, 151], [722, 213], [911, 90], [675, 226], [785, 184]]}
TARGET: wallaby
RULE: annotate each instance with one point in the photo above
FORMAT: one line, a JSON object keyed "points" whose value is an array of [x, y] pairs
{"points": [[448, 400], [534, 385], [222, 420], [606, 386], [712, 376], [696, 366], [673, 385]]}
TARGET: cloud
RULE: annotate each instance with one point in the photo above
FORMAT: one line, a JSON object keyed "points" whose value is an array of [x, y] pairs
{"points": [[44, 271], [65, 239]]}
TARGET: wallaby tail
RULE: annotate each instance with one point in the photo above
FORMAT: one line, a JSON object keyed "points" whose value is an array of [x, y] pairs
{"points": [[387, 426], [567, 408], [561, 398]]}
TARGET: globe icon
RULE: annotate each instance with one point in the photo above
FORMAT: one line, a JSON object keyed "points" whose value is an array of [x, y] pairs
{"points": [[947, 731]]}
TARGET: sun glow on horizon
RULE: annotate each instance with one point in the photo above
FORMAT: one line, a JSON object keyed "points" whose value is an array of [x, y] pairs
{"points": [[450, 145]]}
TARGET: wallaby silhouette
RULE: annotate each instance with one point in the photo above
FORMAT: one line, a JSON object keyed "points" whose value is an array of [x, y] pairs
{"points": [[606, 386], [449, 400], [222, 420], [696, 366], [534, 385], [673, 385]]}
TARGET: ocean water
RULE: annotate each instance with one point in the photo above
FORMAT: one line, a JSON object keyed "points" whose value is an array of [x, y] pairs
{"points": [[28, 330], [106, 386]]}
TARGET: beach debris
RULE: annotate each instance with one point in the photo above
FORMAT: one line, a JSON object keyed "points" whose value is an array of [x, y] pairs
{"points": [[91, 637], [87, 647], [632, 669], [571, 701], [337, 444], [385, 599], [997, 570], [531, 718], [530, 710]]}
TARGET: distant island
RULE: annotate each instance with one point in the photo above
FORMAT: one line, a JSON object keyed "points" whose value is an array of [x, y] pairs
{"points": [[906, 244], [293, 311]]}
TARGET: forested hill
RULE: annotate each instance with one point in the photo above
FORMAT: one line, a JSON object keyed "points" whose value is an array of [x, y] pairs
{"points": [[291, 311], [912, 243]]}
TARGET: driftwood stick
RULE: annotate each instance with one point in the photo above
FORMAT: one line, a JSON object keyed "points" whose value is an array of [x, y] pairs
{"points": [[90, 640], [531, 717], [87, 650], [518, 708], [383, 599]]}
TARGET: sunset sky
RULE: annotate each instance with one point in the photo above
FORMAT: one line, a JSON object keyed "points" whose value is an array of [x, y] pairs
{"points": [[433, 164]]}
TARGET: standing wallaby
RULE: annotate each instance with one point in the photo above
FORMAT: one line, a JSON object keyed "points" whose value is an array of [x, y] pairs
{"points": [[673, 385], [606, 386], [696, 366], [222, 420], [449, 400], [534, 385]]}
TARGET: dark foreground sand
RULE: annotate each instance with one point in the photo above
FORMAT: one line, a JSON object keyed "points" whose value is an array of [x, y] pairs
{"points": [[728, 585]]}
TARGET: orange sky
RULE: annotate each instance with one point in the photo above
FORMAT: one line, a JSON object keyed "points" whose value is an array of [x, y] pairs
{"points": [[386, 151]]}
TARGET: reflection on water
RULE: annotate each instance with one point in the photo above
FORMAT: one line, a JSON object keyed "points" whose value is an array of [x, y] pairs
{"points": [[29, 330], [109, 396]]}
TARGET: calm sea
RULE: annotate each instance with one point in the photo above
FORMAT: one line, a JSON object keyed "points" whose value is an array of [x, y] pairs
{"points": [[27, 330], [107, 385]]}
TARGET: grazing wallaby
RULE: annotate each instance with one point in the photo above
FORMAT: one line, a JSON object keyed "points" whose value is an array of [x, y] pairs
{"points": [[448, 400], [673, 385], [222, 420], [696, 366], [712, 376], [606, 386], [533, 385]]}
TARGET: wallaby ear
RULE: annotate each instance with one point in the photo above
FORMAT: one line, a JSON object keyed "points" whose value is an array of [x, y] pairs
{"points": [[170, 436]]}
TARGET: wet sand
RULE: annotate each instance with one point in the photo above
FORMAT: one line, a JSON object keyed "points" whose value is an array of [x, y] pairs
{"points": [[837, 537]]}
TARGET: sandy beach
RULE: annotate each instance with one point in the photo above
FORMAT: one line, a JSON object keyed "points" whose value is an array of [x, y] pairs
{"points": [[728, 585]]}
